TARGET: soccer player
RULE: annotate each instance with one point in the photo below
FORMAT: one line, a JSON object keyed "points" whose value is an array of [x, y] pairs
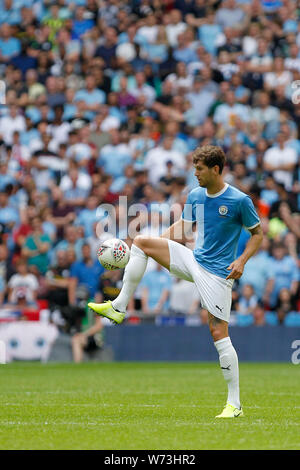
{"points": [[220, 211]]}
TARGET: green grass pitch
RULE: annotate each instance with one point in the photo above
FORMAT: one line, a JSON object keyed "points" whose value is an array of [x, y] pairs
{"points": [[150, 406]]}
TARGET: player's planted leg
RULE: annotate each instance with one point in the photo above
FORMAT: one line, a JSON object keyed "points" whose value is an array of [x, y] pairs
{"points": [[229, 365]]}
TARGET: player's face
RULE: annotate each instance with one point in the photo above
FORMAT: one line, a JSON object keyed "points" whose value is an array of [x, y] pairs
{"points": [[204, 174]]}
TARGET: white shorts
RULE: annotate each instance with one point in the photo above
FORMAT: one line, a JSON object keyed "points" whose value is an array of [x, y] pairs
{"points": [[215, 292]]}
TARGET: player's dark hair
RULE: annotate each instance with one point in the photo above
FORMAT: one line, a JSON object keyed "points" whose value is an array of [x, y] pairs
{"points": [[210, 155]]}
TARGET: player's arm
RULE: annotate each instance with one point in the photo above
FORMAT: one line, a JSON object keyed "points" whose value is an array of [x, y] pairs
{"points": [[181, 231], [237, 267]]}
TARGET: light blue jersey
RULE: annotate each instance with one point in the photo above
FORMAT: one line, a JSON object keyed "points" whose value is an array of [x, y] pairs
{"points": [[220, 218]]}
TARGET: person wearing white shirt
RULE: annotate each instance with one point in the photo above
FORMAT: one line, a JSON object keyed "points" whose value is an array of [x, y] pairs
{"points": [[22, 285], [109, 123], [281, 161], [10, 124], [157, 158], [249, 41], [175, 27], [149, 31], [279, 76], [78, 178], [184, 297], [180, 79], [292, 62], [142, 89]]}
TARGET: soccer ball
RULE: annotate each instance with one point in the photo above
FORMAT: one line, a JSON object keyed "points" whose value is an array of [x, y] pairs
{"points": [[113, 254]]}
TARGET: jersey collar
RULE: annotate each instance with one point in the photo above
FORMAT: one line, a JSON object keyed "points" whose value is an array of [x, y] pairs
{"points": [[219, 193]]}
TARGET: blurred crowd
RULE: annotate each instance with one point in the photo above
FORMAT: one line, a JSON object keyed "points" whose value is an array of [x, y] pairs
{"points": [[109, 98]]}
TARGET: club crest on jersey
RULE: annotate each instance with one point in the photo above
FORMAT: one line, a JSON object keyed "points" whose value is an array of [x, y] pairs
{"points": [[223, 210]]}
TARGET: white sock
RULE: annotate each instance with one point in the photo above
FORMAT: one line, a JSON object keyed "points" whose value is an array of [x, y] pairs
{"points": [[133, 274], [230, 368]]}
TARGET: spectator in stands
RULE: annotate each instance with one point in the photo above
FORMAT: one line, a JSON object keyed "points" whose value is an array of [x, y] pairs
{"points": [[281, 160], [114, 157], [257, 272], [230, 15], [71, 239], [184, 298], [86, 273], [107, 51], [259, 315], [9, 45], [156, 286], [157, 158], [284, 305], [226, 114], [59, 285], [9, 216], [200, 99], [88, 341], [247, 301], [5, 271], [91, 97], [36, 247], [11, 123], [22, 286], [286, 272], [76, 186]]}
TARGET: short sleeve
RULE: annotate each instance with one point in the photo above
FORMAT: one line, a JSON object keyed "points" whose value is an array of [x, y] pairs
{"points": [[188, 212], [249, 215]]}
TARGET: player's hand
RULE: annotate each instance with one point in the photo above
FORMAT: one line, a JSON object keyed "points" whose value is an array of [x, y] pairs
{"points": [[236, 268]]}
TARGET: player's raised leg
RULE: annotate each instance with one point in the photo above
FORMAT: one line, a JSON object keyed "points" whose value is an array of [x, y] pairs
{"points": [[229, 365], [143, 247]]}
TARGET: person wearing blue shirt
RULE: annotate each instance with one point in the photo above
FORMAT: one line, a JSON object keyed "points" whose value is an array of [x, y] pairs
{"points": [[9, 13], [24, 61], [184, 52], [114, 157], [285, 272], [156, 286], [70, 240], [9, 46], [9, 216], [87, 272], [208, 33], [258, 272], [220, 212], [91, 96], [89, 215], [80, 25]]}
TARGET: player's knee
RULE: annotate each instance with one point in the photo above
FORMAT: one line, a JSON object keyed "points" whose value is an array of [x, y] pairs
{"points": [[142, 242]]}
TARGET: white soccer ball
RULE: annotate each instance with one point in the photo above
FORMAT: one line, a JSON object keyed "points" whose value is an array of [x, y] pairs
{"points": [[113, 254]]}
